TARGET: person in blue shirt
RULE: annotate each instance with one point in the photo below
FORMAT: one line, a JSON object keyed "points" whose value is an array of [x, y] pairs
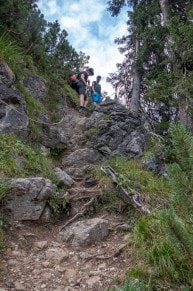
{"points": [[96, 91]]}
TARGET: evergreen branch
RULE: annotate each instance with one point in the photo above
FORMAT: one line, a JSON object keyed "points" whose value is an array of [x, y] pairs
{"points": [[175, 227]]}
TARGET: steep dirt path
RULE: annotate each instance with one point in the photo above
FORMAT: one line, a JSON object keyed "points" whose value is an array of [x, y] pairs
{"points": [[36, 260]]}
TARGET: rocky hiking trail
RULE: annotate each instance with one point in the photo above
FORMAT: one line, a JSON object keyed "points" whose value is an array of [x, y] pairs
{"points": [[37, 260], [83, 251]]}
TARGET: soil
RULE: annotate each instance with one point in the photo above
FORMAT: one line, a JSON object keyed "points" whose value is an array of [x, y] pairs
{"points": [[37, 260]]}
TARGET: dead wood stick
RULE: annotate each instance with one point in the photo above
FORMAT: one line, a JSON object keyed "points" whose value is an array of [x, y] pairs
{"points": [[79, 214], [102, 257], [85, 197], [132, 198]]}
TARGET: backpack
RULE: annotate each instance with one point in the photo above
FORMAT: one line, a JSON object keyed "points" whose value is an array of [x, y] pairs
{"points": [[74, 81], [74, 78]]}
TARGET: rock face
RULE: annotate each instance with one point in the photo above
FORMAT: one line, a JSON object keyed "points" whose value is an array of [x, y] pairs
{"points": [[81, 158], [156, 163], [111, 130], [27, 198], [36, 86], [51, 136], [117, 131], [63, 177], [13, 118], [84, 233]]}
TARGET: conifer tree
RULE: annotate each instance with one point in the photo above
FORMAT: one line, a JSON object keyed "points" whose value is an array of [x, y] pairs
{"points": [[158, 56]]}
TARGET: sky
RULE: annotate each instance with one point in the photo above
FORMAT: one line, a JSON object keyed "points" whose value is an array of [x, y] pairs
{"points": [[92, 30]]}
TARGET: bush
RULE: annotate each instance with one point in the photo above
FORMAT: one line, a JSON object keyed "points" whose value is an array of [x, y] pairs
{"points": [[164, 240]]}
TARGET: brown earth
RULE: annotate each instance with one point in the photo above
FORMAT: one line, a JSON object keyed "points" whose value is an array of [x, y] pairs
{"points": [[36, 260]]}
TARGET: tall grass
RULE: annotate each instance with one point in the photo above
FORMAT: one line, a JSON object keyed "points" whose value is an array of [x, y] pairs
{"points": [[20, 160], [163, 241], [11, 53]]}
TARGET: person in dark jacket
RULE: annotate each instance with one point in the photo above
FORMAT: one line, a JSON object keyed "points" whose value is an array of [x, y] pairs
{"points": [[82, 85]]}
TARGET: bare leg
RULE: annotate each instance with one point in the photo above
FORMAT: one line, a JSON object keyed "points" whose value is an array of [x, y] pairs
{"points": [[85, 103], [82, 100]]}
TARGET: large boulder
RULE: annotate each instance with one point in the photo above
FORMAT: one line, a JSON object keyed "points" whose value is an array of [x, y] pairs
{"points": [[27, 198], [86, 232], [50, 135], [57, 135], [63, 178], [81, 157], [13, 117], [118, 131], [36, 86]]}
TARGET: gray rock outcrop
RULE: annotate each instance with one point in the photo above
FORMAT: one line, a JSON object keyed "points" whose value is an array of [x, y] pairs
{"points": [[36, 86], [81, 157], [50, 135], [84, 233], [63, 177], [13, 117], [27, 198], [118, 131]]}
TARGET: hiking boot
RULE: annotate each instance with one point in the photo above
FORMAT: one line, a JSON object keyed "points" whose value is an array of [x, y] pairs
{"points": [[82, 111]]}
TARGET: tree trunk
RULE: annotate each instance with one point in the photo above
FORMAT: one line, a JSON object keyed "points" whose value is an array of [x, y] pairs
{"points": [[185, 116], [135, 98], [164, 11], [183, 105]]}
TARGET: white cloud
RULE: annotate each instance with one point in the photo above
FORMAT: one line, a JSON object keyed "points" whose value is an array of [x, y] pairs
{"points": [[48, 8], [79, 18]]}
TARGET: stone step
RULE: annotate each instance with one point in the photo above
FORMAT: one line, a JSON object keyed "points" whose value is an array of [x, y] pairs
{"points": [[80, 193]]}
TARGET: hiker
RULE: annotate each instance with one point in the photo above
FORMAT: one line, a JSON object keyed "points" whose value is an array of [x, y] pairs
{"points": [[96, 91], [82, 85]]}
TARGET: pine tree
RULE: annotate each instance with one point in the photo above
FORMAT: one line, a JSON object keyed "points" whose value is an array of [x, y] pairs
{"points": [[165, 238]]}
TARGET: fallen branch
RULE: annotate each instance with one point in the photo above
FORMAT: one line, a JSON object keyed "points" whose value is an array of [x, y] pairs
{"points": [[85, 197], [79, 214], [103, 257], [133, 198]]}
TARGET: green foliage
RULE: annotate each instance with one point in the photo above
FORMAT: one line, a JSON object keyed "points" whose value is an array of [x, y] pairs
{"points": [[106, 116], [34, 107], [72, 97], [110, 200], [4, 187], [133, 175], [44, 41], [162, 88], [59, 206], [60, 94], [163, 246], [164, 239], [56, 153], [9, 50], [181, 172], [133, 284], [182, 142], [90, 132], [54, 98], [2, 236], [11, 53], [20, 160]]}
